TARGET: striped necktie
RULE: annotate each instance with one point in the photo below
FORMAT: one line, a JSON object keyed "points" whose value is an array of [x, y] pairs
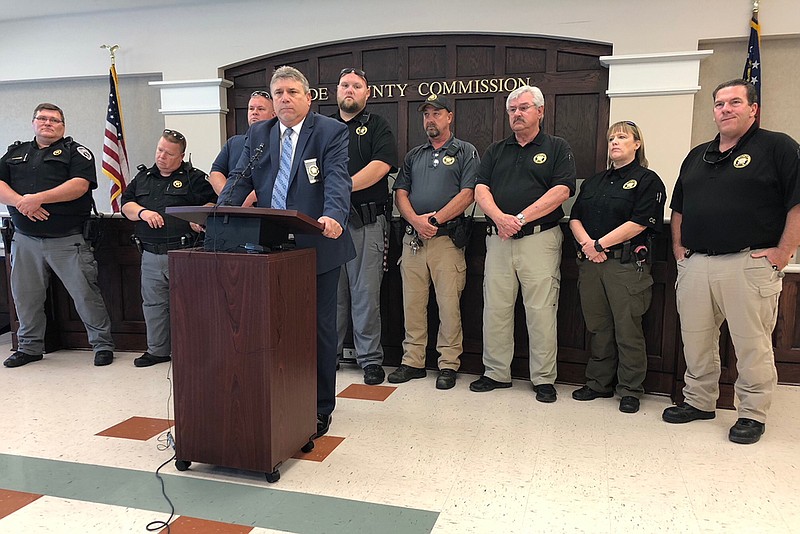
{"points": [[281, 187]]}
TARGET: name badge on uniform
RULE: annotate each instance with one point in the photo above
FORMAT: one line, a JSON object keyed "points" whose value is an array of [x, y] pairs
{"points": [[312, 170]]}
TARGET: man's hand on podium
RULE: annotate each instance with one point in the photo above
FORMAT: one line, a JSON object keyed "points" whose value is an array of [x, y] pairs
{"points": [[331, 229]]}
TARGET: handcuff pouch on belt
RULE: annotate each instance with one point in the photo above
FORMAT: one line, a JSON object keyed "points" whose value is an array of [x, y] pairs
{"points": [[92, 232], [461, 232], [364, 214]]}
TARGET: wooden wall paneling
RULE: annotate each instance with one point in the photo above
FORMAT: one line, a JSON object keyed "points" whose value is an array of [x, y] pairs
{"points": [[330, 66], [474, 61], [575, 120]]}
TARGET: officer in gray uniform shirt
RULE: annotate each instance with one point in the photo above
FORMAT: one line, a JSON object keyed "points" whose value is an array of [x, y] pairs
{"points": [[434, 187]]}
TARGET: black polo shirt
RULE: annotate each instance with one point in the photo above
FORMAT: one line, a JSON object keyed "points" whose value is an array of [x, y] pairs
{"points": [[616, 196], [371, 139], [738, 198], [186, 186], [27, 169], [518, 175]]}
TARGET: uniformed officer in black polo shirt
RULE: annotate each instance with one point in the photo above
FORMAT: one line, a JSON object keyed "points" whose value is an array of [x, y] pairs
{"points": [[46, 184], [373, 155], [612, 220], [522, 182], [735, 226], [169, 182]]}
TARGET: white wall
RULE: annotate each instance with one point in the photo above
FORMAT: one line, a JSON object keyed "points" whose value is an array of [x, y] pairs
{"points": [[195, 42], [189, 42]]}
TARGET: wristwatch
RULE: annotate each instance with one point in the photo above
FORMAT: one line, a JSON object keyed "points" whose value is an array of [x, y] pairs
{"points": [[432, 220], [521, 218], [597, 246]]}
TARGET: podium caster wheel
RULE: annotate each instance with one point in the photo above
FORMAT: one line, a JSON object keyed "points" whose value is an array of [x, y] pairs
{"points": [[274, 476], [182, 465], [308, 447]]}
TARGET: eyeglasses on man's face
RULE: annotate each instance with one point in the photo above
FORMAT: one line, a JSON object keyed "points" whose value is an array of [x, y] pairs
{"points": [[51, 120], [522, 108]]}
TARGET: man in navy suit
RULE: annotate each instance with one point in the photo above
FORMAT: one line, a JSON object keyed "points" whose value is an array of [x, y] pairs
{"points": [[303, 167]]}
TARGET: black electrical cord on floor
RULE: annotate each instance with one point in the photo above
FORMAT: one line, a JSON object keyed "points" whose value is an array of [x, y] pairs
{"points": [[153, 526], [165, 442]]}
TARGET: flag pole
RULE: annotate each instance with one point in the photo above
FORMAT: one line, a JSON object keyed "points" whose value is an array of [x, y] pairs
{"points": [[115, 154]]}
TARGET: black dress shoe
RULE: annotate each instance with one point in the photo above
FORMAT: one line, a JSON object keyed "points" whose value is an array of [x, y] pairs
{"points": [[404, 373], [586, 394], [446, 379], [323, 424], [545, 393], [147, 359], [373, 374], [485, 383], [18, 359], [103, 357], [746, 431], [684, 413], [628, 404]]}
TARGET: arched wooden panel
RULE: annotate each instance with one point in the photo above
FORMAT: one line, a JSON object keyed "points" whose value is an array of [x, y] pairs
{"points": [[475, 71]]}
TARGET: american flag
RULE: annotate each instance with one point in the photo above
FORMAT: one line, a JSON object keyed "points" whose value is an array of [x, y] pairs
{"points": [[752, 67], [115, 155]]}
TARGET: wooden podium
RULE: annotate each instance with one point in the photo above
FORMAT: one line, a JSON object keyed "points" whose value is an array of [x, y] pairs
{"points": [[244, 351]]}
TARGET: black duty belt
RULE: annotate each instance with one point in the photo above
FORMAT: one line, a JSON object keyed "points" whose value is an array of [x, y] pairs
{"points": [[709, 252], [162, 248], [528, 229]]}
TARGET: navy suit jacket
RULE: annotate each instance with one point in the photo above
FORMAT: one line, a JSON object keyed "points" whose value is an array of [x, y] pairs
{"points": [[323, 140]]}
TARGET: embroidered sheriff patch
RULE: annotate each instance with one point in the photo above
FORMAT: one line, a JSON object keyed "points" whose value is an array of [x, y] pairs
{"points": [[630, 184], [742, 161]]}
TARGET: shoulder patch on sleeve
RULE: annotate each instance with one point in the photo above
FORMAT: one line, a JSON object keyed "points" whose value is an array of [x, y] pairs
{"points": [[83, 151]]}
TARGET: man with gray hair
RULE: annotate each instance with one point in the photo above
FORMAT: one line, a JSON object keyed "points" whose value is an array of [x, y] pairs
{"points": [[304, 167], [522, 182]]}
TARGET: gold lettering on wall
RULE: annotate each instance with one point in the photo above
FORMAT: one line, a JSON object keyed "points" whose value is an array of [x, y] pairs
{"points": [[436, 87]]}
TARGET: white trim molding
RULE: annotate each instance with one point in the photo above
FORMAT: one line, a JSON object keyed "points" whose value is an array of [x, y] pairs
{"points": [[672, 73], [194, 97]]}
